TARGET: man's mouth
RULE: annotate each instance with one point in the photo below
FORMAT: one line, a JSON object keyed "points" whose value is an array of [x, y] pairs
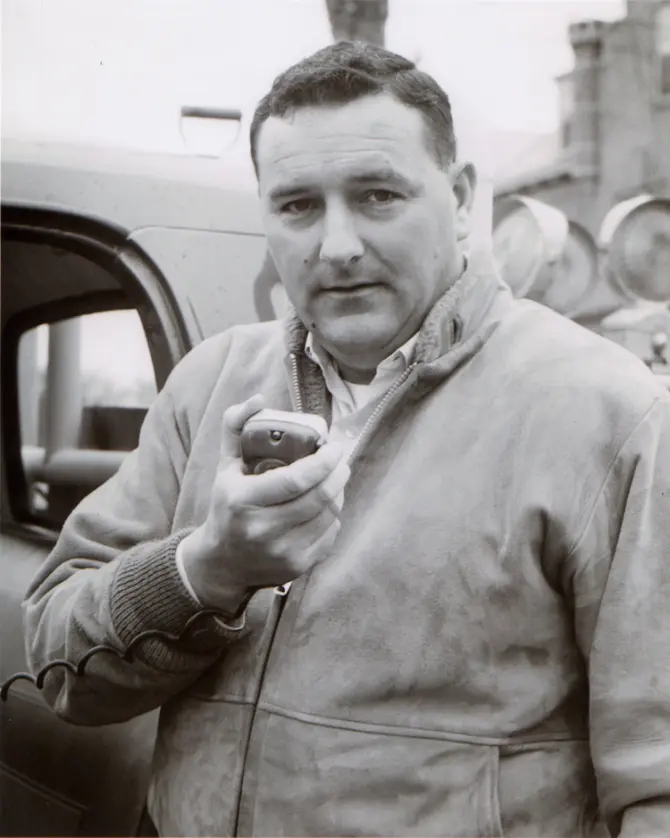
{"points": [[349, 290]]}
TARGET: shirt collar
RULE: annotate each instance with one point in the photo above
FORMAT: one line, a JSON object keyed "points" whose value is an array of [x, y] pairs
{"points": [[397, 360]]}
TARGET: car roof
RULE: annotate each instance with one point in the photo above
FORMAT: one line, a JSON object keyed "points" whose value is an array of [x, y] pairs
{"points": [[132, 189]]}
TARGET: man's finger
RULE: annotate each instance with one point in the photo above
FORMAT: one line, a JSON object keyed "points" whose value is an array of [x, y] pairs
{"points": [[331, 490], [289, 482], [327, 495], [333, 485], [234, 420]]}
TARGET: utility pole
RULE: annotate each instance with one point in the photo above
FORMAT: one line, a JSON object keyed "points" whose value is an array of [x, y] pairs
{"points": [[358, 20]]}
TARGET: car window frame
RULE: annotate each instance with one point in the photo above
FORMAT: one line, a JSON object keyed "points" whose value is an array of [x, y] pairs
{"points": [[143, 288]]}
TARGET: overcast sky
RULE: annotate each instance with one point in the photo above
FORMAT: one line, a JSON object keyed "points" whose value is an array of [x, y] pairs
{"points": [[117, 71]]}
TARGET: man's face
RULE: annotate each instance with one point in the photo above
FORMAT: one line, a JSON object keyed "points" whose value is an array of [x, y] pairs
{"points": [[363, 224]]}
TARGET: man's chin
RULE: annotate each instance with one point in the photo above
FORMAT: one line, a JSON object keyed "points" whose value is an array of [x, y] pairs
{"points": [[355, 335], [358, 321]]}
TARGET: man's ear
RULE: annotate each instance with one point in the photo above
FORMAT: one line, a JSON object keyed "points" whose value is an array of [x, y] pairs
{"points": [[464, 185]]}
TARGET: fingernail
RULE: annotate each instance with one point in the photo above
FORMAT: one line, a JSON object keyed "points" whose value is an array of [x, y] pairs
{"points": [[334, 508]]}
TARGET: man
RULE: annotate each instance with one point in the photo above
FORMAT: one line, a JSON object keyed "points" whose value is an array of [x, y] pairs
{"points": [[476, 640]]}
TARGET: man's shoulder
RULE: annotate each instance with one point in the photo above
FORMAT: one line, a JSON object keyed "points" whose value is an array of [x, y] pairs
{"points": [[575, 369], [576, 354], [242, 348], [246, 337]]}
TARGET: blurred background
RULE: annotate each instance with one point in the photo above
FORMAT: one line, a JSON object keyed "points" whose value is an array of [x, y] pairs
{"points": [[117, 71], [564, 106]]}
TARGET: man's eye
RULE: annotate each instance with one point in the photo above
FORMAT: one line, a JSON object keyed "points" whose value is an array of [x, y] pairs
{"points": [[298, 206], [380, 196]]}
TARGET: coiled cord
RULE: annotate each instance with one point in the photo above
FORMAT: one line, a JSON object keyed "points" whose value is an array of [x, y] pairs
{"points": [[125, 655]]}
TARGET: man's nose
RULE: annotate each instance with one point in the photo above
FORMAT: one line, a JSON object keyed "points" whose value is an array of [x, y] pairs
{"points": [[341, 243]]}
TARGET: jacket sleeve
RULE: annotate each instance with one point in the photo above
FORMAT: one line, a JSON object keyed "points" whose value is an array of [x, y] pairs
{"points": [[621, 589], [113, 574]]}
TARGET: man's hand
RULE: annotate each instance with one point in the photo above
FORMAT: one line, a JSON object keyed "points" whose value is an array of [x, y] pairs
{"points": [[266, 529]]}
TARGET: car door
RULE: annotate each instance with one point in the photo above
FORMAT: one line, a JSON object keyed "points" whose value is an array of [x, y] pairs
{"points": [[75, 295]]}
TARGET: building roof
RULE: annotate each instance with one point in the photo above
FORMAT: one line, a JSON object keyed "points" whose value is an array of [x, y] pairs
{"points": [[535, 161]]}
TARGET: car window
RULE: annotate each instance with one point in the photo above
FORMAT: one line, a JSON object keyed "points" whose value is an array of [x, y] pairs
{"points": [[89, 333], [112, 360], [85, 383]]}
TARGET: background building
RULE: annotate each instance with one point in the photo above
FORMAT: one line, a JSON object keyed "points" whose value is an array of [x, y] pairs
{"points": [[614, 139], [613, 146]]}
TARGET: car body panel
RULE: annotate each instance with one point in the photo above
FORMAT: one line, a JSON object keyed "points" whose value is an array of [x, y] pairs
{"points": [[132, 189], [57, 778]]}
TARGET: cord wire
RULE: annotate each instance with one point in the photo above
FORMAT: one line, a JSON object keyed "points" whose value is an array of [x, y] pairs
{"points": [[126, 654]]}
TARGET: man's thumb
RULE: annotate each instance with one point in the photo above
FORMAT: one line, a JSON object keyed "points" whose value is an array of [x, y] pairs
{"points": [[233, 421]]}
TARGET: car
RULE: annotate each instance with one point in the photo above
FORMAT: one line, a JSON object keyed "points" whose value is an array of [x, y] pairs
{"points": [[105, 253]]}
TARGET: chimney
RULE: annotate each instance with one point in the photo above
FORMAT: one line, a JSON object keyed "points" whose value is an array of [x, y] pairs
{"points": [[358, 20], [582, 150], [644, 10]]}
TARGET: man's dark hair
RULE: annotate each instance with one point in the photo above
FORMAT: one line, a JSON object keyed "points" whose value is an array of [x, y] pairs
{"points": [[343, 72]]}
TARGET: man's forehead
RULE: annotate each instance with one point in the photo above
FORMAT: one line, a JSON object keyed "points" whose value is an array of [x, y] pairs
{"points": [[375, 132], [296, 173]]}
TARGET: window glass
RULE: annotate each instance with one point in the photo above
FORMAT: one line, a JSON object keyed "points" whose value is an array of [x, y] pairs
{"points": [[113, 364], [84, 383]]}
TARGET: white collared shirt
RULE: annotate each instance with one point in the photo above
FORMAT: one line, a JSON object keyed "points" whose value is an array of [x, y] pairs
{"points": [[353, 403]]}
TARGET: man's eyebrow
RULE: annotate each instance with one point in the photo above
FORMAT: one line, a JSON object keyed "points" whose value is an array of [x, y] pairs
{"points": [[282, 193], [383, 175]]}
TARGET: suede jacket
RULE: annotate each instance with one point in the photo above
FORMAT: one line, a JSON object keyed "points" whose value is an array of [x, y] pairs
{"points": [[486, 652]]}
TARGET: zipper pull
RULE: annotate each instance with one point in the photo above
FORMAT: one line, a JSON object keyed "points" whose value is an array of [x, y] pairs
{"points": [[282, 590]]}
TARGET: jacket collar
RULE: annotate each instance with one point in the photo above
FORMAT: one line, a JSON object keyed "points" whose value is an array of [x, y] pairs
{"points": [[455, 322]]}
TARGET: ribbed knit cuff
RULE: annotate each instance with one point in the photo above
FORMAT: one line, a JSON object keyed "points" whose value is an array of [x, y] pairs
{"points": [[148, 594]]}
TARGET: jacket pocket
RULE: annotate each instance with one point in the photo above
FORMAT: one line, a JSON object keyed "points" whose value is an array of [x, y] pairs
{"points": [[314, 777], [547, 788]]}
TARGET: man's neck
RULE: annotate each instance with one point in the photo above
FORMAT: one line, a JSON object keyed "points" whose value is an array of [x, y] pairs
{"points": [[353, 375], [364, 373]]}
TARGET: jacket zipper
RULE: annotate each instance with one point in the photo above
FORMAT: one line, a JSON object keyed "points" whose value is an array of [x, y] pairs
{"points": [[295, 377], [373, 419], [282, 591], [281, 594]]}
